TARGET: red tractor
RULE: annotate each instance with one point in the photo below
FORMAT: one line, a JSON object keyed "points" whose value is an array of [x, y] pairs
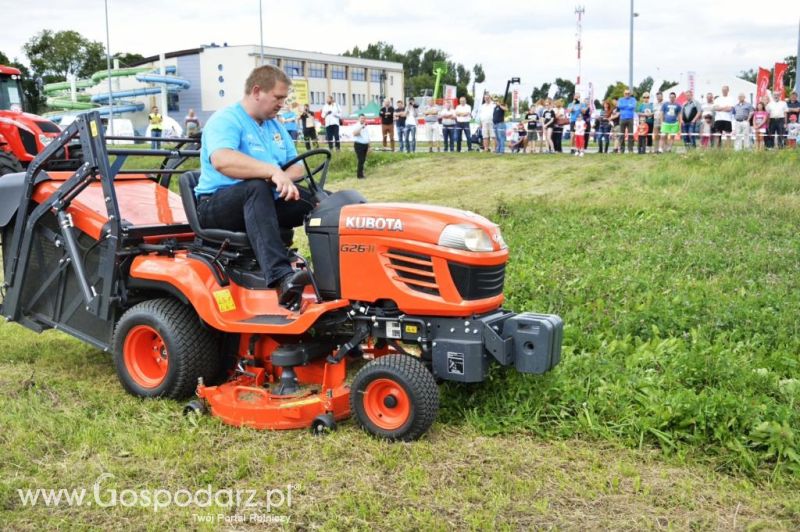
{"points": [[24, 135]]}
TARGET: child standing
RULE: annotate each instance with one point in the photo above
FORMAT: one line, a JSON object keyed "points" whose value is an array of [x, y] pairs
{"points": [[580, 139], [642, 132], [792, 131], [760, 122], [705, 131]]}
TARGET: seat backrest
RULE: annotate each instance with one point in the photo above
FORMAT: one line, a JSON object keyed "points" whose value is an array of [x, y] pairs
{"points": [[187, 184]]}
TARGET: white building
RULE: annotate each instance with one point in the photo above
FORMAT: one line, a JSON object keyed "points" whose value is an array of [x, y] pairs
{"points": [[217, 75]]}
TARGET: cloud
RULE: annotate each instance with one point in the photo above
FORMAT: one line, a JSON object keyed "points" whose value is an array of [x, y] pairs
{"points": [[532, 40]]}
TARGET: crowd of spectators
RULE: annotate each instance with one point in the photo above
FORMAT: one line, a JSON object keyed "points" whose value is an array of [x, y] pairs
{"points": [[625, 125]]}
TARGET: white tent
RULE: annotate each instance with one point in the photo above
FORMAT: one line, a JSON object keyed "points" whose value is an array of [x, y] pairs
{"points": [[705, 84]]}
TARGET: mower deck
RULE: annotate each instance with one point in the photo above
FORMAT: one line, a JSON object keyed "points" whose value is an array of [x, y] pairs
{"points": [[245, 401]]}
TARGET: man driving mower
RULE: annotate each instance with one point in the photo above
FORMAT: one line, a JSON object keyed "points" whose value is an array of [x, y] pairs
{"points": [[242, 187]]}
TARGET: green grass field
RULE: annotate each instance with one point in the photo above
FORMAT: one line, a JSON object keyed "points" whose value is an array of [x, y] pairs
{"points": [[676, 404]]}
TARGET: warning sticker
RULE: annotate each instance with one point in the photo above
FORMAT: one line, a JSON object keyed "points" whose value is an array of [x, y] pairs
{"points": [[315, 222], [393, 329], [93, 128], [412, 329], [455, 363], [224, 300]]}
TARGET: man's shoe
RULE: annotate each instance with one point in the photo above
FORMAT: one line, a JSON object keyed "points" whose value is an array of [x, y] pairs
{"points": [[290, 288]]}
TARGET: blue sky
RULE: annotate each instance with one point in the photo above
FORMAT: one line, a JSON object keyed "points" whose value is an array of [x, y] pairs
{"points": [[534, 40]]}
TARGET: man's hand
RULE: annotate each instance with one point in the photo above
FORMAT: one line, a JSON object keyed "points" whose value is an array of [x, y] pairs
{"points": [[285, 186]]}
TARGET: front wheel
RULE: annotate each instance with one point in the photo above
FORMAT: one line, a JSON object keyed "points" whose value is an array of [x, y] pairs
{"points": [[161, 349], [395, 397]]}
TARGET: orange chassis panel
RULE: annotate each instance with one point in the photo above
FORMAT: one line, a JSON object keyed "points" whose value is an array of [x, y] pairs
{"points": [[227, 308]]}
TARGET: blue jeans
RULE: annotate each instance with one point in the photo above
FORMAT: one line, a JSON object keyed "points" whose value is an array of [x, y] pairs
{"points": [[449, 136], [603, 137], [500, 135], [332, 136], [401, 136], [411, 138], [689, 137], [250, 206], [463, 127], [154, 144]]}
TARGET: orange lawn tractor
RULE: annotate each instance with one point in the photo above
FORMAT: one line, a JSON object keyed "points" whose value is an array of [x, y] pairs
{"points": [[406, 293]]}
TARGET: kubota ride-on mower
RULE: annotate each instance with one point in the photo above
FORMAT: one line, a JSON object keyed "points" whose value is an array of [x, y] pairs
{"points": [[411, 293]]}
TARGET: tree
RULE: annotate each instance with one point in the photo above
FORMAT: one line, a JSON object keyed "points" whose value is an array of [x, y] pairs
{"points": [[480, 77], [33, 98], [127, 59], [541, 92], [789, 78], [646, 85], [566, 89], [418, 65], [615, 91], [748, 75], [53, 55]]}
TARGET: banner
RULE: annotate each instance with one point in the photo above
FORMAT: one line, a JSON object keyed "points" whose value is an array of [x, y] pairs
{"points": [[515, 102], [298, 92], [551, 92], [777, 81], [449, 92], [591, 96], [762, 84], [690, 79]]}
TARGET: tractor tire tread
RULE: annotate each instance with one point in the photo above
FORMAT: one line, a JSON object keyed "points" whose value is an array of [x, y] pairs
{"points": [[9, 164], [194, 347], [419, 383]]}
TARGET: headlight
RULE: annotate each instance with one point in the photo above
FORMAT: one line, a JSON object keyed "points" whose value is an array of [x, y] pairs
{"points": [[45, 140], [464, 236]]}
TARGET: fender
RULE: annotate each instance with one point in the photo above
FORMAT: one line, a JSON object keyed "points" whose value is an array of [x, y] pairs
{"points": [[230, 308]]}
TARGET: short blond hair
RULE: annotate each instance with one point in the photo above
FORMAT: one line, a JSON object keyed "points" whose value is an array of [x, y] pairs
{"points": [[265, 77]]}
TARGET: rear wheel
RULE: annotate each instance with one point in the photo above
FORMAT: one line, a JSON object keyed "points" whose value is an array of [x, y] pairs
{"points": [[161, 349], [9, 164], [395, 397]]}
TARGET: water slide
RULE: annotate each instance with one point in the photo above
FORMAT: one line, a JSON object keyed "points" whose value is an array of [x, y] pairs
{"points": [[59, 96]]}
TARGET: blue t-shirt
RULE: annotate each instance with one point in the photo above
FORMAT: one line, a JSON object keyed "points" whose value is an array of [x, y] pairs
{"points": [[626, 106], [671, 112], [575, 110], [234, 129], [290, 120]]}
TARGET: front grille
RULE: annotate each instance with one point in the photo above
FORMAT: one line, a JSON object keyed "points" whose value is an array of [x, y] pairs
{"points": [[477, 282], [415, 270], [28, 142]]}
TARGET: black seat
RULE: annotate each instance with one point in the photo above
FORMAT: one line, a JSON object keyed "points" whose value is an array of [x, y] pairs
{"points": [[188, 182]]}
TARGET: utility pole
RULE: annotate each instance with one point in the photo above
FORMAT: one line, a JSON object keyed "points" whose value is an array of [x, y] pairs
{"points": [[630, 52], [108, 66], [261, 31], [797, 63]]}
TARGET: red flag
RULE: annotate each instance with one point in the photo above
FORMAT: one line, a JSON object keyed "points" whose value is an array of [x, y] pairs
{"points": [[777, 81], [762, 83]]}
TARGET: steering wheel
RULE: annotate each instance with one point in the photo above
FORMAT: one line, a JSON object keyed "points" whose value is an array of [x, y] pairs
{"points": [[318, 189]]}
